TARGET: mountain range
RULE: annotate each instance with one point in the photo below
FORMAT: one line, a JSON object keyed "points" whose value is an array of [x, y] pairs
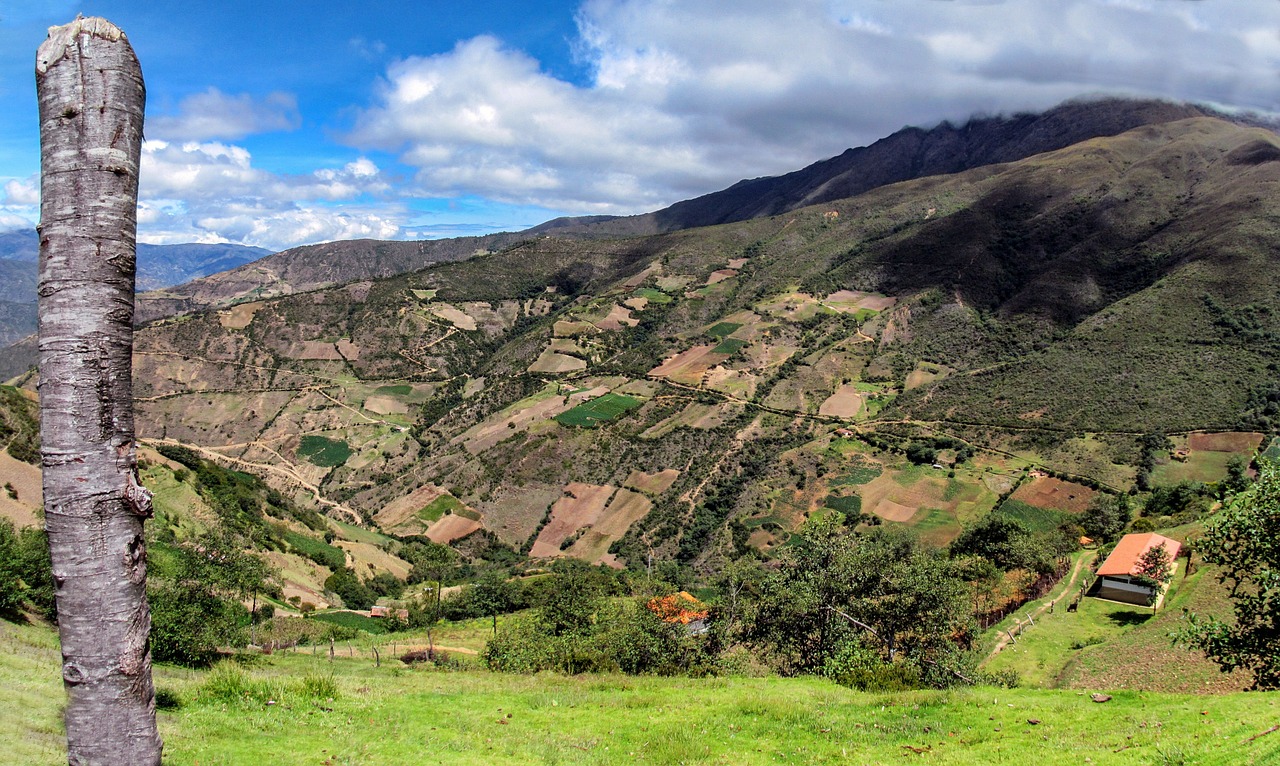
{"points": [[965, 320]]}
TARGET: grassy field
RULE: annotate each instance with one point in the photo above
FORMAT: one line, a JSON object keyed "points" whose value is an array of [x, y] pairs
{"points": [[351, 712], [436, 508], [316, 550], [599, 410], [1199, 466], [323, 451]]}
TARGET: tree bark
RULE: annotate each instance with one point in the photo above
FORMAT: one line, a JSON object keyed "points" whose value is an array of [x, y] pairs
{"points": [[91, 98]]}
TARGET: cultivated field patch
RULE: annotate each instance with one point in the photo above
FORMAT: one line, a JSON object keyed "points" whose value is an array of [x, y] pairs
{"points": [[323, 451], [368, 560], [720, 275], [599, 410], [689, 366], [553, 362], [452, 527], [239, 316], [408, 508], [1055, 494], [1273, 452], [696, 415], [617, 318], [564, 328], [386, 405], [581, 504], [924, 374], [844, 403], [1238, 442], [454, 316], [624, 509], [652, 483]]}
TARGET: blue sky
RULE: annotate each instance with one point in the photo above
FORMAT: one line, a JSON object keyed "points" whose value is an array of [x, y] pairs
{"points": [[283, 123]]}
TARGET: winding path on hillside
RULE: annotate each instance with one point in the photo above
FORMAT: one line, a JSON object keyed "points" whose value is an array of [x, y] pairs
{"points": [[1003, 639]]}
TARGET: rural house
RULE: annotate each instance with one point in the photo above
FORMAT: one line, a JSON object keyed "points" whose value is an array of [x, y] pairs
{"points": [[1117, 577]]}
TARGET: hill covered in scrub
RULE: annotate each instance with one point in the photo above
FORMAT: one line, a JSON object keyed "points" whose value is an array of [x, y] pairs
{"points": [[912, 353]]}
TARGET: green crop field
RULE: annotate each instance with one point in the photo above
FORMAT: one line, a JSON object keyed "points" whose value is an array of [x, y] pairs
{"points": [[849, 506], [599, 410], [1199, 466], [437, 508], [317, 550], [730, 346], [724, 329], [1036, 519], [397, 390], [1273, 452], [653, 296], [323, 451], [859, 474]]}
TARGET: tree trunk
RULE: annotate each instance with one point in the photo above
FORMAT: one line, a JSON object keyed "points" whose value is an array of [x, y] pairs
{"points": [[91, 98]]}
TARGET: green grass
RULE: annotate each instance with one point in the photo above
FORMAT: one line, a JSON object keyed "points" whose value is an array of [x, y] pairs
{"points": [[1273, 452], [723, 329], [653, 296], [599, 410], [317, 550], [861, 474], [849, 506], [1036, 519], [352, 620], [359, 534], [730, 346], [437, 508], [1200, 466], [323, 451], [347, 711], [397, 390]]}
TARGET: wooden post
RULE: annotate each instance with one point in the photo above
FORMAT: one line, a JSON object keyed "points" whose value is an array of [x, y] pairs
{"points": [[91, 97]]}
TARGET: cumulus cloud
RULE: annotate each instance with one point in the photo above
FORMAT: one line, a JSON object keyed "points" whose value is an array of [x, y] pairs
{"points": [[212, 192], [22, 192], [217, 115], [687, 96]]}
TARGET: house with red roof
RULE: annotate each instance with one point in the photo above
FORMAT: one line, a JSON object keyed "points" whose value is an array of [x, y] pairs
{"points": [[1118, 578]]}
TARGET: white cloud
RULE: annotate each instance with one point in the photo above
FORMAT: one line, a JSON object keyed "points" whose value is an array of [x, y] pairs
{"points": [[217, 115], [22, 191], [212, 192], [688, 96]]}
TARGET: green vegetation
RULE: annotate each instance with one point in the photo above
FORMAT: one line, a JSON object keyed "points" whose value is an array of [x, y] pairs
{"points": [[396, 390], [723, 329], [352, 621], [440, 506], [1272, 452], [850, 506], [323, 451], [730, 346], [1035, 519], [317, 550], [599, 410], [653, 295], [19, 427], [859, 474], [1243, 541]]}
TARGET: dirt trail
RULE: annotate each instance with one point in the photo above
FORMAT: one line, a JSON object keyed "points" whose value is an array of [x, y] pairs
{"points": [[281, 471], [1075, 572]]}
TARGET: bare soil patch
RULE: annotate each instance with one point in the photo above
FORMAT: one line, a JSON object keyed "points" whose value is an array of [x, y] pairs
{"points": [[581, 505], [369, 559], [689, 366], [453, 315], [555, 363], [1055, 494], [26, 482], [720, 275], [652, 483], [349, 350], [515, 512], [625, 509], [239, 317], [385, 405], [844, 403], [617, 318], [1225, 442], [564, 328], [317, 350], [451, 527], [405, 509]]}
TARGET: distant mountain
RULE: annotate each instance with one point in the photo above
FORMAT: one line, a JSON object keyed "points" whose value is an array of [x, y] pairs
{"points": [[909, 153], [158, 266], [311, 267]]}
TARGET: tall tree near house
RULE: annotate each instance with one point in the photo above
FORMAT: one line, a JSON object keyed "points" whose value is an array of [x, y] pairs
{"points": [[91, 96]]}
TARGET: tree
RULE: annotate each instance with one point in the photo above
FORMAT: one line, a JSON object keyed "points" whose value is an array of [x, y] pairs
{"points": [[1155, 569], [13, 591], [1245, 541], [491, 596], [91, 98], [1106, 516]]}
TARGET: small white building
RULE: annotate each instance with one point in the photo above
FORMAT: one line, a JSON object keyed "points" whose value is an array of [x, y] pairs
{"points": [[1118, 578]]}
